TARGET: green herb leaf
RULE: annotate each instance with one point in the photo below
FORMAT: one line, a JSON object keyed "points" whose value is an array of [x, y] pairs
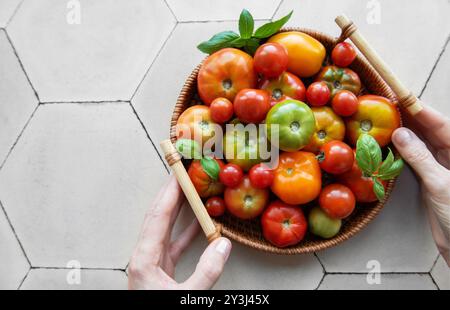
{"points": [[251, 46], [239, 42], [211, 167], [378, 189], [368, 154], [394, 170], [218, 41], [387, 163], [246, 24], [190, 149], [269, 29]]}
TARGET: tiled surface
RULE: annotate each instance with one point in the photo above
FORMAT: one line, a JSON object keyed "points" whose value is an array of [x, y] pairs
{"points": [[79, 179]]}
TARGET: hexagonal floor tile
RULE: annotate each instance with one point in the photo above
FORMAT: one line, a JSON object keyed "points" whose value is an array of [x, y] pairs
{"points": [[56, 279], [209, 10], [17, 99], [388, 282], [399, 238], [102, 58], [78, 183], [441, 274], [394, 38], [7, 9], [13, 264]]}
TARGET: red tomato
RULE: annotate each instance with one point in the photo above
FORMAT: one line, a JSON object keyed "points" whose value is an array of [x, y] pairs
{"points": [[252, 105], [283, 224], [337, 201], [344, 103], [203, 183], [336, 157], [318, 94], [261, 176], [271, 59], [215, 206], [221, 110], [231, 175], [343, 54], [286, 86]]}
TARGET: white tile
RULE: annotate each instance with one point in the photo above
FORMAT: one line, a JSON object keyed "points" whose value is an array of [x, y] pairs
{"points": [[13, 264], [7, 8], [17, 99], [387, 282], [78, 183], [57, 279], [399, 238], [409, 41], [102, 58], [209, 10], [441, 274]]}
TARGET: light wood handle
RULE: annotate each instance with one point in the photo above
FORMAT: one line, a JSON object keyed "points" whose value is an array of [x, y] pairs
{"points": [[173, 158], [406, 98]]}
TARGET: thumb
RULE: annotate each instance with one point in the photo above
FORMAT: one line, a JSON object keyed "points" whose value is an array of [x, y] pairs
{"points": [[210, 265]]}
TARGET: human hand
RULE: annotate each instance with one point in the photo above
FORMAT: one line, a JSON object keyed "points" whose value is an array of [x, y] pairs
{"points": [[426, 147], [152, 265]]}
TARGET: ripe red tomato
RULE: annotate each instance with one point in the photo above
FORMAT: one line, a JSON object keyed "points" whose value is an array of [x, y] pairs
{"points": [[221, 110], [215, 206], [231, 175], [318, 94], [261, 176], [336, 157], [203, 183], [344, 103], [271, 59], [252, 105], [283, 224], [343, 54], [286, 86], [337, 201]]}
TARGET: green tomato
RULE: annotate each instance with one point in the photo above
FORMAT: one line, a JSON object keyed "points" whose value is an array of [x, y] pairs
{"points": [[293, 122], [322, 225]]}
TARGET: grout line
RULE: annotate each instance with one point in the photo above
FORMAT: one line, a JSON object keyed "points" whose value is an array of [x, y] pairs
{"points": [[434, 263], [218, 21], [324, 272], [434, 282], [385, 273], [320, 262], [320, 282], [82, 268], [276, 10], [24, 278], [171, 11], [84, 102], [14, 13]]}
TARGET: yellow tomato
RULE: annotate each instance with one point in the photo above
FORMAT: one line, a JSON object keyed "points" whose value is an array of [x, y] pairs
{"points": [[196, 123]]}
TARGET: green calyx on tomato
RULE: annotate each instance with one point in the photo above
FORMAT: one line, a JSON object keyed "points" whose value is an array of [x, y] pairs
{"points": [[338, 79], [285, 86], [292, 122]]}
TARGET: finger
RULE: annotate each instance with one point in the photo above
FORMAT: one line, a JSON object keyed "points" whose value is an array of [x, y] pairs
{"points": [[210, 265], [434, 126], [184, 240]]}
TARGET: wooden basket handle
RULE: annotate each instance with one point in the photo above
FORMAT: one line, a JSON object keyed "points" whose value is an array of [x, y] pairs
{"points": [[406, 98], [173, 158]]}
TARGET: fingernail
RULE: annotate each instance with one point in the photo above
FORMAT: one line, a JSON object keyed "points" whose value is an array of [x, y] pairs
{"points": [[224, 247], [402, 136]]}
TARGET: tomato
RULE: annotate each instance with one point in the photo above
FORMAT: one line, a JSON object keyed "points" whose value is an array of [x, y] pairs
{"points": [[343, 54], [344, 103], [251, 105], [339, 78], [329, 126], [292, 122], [283, 224], [203, 183], [318, 94], [320, 224], [376, 116], [221, 110], [298, 179], [224, 74], [195, 123], [337, 201], [271, 59], [286, 86], [305, 53], [261, 176], [215, 206], [231, 175], [246, 201], [336, 157]]}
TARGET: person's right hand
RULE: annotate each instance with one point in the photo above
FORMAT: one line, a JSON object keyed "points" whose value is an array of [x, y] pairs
{"points": [[426, 147]]}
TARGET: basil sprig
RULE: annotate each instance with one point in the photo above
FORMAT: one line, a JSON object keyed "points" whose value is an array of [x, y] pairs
{"points": [[191, 149]]}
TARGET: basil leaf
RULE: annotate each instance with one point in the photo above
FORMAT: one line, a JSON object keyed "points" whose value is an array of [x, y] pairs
{"points": [[218, 41], [239, 42], [251, 46], [188, 148], [211, 167], [246, 24], [269, 29], [387, 163], [368, 154], [378, 189], [394, 170]]}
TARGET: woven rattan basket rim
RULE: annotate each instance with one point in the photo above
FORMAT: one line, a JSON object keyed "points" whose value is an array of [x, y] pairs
{"points": [[366, 73]]}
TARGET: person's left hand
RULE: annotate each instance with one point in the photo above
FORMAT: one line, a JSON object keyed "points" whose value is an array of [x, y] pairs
{"points": [[152, 265]]}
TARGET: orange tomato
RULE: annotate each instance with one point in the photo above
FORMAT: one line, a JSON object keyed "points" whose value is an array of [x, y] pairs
{"points": [[195, 123], [298, 179], [203, 183]]}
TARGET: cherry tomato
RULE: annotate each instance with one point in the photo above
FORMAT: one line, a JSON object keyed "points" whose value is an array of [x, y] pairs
{"points": [[231, 175], [344, 103], [343, 54], [221, 110], [337, 201], [336, 157], [203, 183], [215, 206], [318, 94], [283, 224], [286, 86], [252, 105], [271, 59], [261, 176]]}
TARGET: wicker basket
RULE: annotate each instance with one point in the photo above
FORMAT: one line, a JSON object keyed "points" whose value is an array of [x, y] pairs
{"points": [[248, 232]]}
